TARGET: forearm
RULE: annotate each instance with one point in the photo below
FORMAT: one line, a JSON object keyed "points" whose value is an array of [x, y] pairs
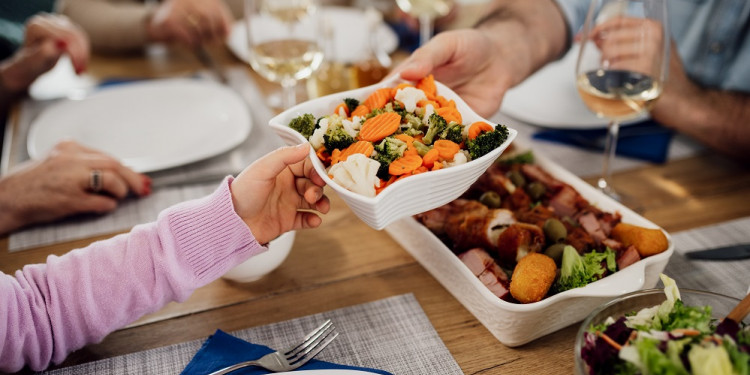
{"points": [[112, 25], [51, 309], [719, 119], [528, 33]]}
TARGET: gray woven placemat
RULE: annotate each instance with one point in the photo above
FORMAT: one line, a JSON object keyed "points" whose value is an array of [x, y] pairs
{"points": [[391, 334], [726, 277]]}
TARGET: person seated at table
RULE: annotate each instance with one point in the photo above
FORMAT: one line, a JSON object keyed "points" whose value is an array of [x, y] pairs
{"points": [[42, 39], [49, 310], [123, 25], [62, 184], [71, 180], [706, 96]]}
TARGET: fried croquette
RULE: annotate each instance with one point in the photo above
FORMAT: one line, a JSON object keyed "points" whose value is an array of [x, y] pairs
{"points": [[647, 241], [532, 278]]}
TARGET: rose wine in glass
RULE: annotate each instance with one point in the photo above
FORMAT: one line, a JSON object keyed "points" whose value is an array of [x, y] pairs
{"points": [[622, 65]]}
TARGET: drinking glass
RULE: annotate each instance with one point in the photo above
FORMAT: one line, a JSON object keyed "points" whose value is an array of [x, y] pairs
{"points": [[284, 44], [425, 11], [622, 65]]}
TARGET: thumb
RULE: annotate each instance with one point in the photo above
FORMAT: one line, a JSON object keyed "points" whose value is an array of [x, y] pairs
{"points": [[269, 166]]}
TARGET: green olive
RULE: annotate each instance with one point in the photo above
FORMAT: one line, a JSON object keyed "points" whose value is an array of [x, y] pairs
{"points": [[555, 252], [555, 231], [517, 178], [490, 199], [536, 190]]}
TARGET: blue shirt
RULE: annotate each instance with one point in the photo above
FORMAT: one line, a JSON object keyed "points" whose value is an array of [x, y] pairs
{"points": [[712, 38]]}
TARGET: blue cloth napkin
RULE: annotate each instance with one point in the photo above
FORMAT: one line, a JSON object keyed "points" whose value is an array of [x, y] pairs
{"points": [[645, 140], [222, 350]]}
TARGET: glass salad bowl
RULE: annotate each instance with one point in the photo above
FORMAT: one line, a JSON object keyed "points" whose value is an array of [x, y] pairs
{"points": [[630, 303]]}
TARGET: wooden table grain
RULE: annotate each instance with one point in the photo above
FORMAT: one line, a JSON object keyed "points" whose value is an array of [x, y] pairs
{"points": [[345, 262]]}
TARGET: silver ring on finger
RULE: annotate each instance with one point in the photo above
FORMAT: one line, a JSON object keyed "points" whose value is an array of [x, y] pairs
{"points": [[95, 181]]}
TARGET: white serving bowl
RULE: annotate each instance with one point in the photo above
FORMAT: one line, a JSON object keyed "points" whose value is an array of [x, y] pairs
{"points": [[406, 197], [263, 263], [515, 324]]}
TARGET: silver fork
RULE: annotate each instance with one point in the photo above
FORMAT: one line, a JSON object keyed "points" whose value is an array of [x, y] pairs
{"points": [[294, 356]]}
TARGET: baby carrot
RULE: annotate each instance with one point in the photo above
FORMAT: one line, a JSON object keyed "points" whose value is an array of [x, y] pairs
{"points": [[437, 166], [409, 140], [323, 155], [380, 126], [424, 102], [450, 114], [405, 165], [360, 111], [336, 156], [341, 107], [430, 158], [446, 148], [360, 147], [378, 99], [427, 84], [478, 128]]}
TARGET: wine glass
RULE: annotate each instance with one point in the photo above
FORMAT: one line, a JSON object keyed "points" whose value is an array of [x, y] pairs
{"points": [[283, 39], [622, 65], [425, 11]]}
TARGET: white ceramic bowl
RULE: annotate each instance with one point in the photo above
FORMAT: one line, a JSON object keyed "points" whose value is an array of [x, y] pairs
{"points": [[405, 197], [263, 263], [515, 324]]}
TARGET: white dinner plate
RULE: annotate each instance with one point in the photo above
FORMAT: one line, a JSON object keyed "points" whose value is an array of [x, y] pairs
{"points": [[350, 33], [149, 125], [549, 98]]}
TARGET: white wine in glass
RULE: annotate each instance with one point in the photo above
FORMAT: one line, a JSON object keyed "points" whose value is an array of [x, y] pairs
{"points": [[425, 11], [622, 65], [283, 42]]}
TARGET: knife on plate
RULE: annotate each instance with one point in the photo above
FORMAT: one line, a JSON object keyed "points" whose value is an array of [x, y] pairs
{"points": [[731, 252]]}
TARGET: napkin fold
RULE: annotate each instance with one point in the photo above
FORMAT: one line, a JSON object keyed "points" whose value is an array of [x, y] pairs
{"points": [[222, 349], [647, 140]]}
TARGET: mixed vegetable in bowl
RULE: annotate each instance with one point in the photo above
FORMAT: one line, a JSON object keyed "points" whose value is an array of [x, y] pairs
{"points": [[367, 144], [669, 338]]}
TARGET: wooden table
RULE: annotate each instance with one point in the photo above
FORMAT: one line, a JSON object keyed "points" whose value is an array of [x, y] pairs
{"points": [[345, 262]]}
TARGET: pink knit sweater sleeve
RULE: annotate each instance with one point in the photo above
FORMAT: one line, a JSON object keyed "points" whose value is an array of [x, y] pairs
{"points": [[49, 310]]}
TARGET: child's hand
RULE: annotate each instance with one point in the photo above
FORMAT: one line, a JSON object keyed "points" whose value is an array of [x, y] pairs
{"points": [[270, 194]]}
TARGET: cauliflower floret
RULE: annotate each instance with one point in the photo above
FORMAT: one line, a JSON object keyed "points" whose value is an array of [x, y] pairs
{"points": [[458, 159], [409, 96], [351, 127], [316, 139], [428, 111], [357, 173]]}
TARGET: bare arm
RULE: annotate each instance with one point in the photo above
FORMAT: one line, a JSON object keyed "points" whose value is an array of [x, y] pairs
{"points": [[513, 40], [719, 119]]}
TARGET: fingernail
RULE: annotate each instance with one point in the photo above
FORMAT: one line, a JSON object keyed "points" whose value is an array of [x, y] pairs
{"points": [[301, 146]]}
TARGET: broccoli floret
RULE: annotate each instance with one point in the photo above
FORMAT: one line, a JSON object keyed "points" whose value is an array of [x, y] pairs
{"points": [[422, 149], [487, 141], [374, 113], [388, 150], [351, 104], [523, 158], [436, 125], [336, 138], [453, 133], [304, 124], [577, 271]]}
